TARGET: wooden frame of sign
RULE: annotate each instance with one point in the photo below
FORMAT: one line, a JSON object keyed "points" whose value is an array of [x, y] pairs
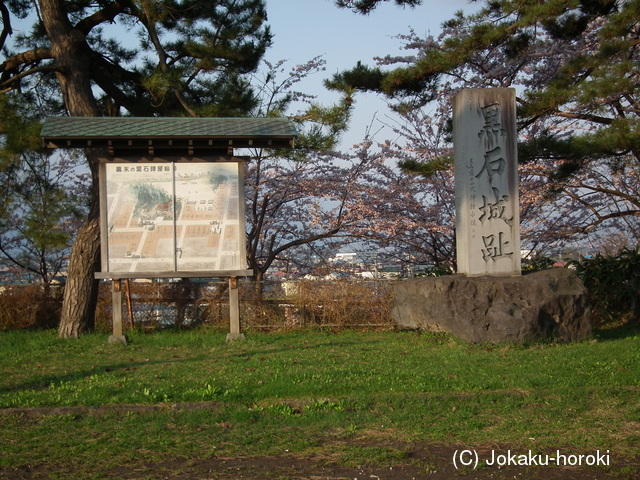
{"points": [[171, 195], [172, 217]]}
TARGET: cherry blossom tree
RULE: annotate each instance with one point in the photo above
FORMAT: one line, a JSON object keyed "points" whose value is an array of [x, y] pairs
{"points": [[297, 198], [573, 67], [346, 198], [425, 216], [315, 199], [293, 203]]}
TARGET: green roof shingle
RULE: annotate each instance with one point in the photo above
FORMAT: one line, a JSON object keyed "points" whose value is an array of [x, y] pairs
{"points": [[113, 127]]}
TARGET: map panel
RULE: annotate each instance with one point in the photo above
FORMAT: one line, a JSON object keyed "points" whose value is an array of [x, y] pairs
{"points": [[206, 193], [174, 217]]}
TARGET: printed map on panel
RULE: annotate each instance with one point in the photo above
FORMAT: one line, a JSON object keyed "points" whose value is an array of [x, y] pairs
{"points": [[165, 217]]}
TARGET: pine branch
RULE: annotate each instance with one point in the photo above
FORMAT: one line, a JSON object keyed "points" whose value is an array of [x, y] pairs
{"points": [[107, 14], [7, 85], [6, 24], [23, 58]]}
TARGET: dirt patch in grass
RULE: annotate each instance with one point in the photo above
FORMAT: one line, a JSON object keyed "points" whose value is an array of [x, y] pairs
{"points": [[37, 412], [420, 461], [336, 460]]}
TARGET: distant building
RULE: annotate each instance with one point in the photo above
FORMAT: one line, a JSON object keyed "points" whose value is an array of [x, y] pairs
{"points": [[347, 257]]}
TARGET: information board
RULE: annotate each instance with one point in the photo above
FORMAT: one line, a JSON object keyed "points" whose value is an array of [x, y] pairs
{"points": [[165, 216]]}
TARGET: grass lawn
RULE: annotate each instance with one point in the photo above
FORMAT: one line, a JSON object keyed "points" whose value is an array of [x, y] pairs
{"points": [[346, 399]]}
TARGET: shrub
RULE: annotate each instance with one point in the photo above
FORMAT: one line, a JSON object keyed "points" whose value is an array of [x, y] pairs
{"points": [[302, 303], [342, 303], [154, 305], [268, 305], [30, 306], [613, 283], [537, 263]]}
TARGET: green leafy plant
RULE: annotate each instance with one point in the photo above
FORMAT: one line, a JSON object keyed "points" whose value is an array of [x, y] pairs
{"points": [[614, 285]]}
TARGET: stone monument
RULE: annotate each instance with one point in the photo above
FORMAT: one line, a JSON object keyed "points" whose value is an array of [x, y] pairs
{"points": [[489, 300], [486, 182]]}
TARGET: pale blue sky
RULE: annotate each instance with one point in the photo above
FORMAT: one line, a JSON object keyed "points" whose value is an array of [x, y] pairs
{"points": [[304, 29]]}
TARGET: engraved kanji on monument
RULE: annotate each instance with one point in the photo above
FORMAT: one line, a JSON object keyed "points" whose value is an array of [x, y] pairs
{"points": [[486, 182]]}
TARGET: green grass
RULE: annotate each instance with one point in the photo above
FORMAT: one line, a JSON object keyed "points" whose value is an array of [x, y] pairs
{"points": [[310, 392]]}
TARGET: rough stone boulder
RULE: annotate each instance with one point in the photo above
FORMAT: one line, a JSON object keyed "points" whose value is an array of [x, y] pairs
{"points": [[551, 304]]}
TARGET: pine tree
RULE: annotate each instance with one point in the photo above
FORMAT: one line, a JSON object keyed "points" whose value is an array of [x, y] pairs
{"points": [[367, 6], [574, 64], [143, 58]]}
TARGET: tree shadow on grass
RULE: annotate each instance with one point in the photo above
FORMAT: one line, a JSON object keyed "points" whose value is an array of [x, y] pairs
{"points": [[617, 332]]}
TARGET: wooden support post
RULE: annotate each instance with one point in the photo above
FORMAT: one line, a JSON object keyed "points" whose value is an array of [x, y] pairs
{"points": [[129, 305], [116, 307], [234, 311]]}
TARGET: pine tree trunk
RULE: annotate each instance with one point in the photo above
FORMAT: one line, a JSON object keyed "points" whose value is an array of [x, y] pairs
{"points": [[73, 62], [81, 289]]}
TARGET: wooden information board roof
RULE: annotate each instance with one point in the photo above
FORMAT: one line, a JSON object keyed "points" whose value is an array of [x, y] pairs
{"points": [[131, 134]]}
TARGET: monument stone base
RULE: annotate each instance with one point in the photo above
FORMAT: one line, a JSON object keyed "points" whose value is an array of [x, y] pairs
{"points": [[547, 305], [233, 337], [121, 339]]}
